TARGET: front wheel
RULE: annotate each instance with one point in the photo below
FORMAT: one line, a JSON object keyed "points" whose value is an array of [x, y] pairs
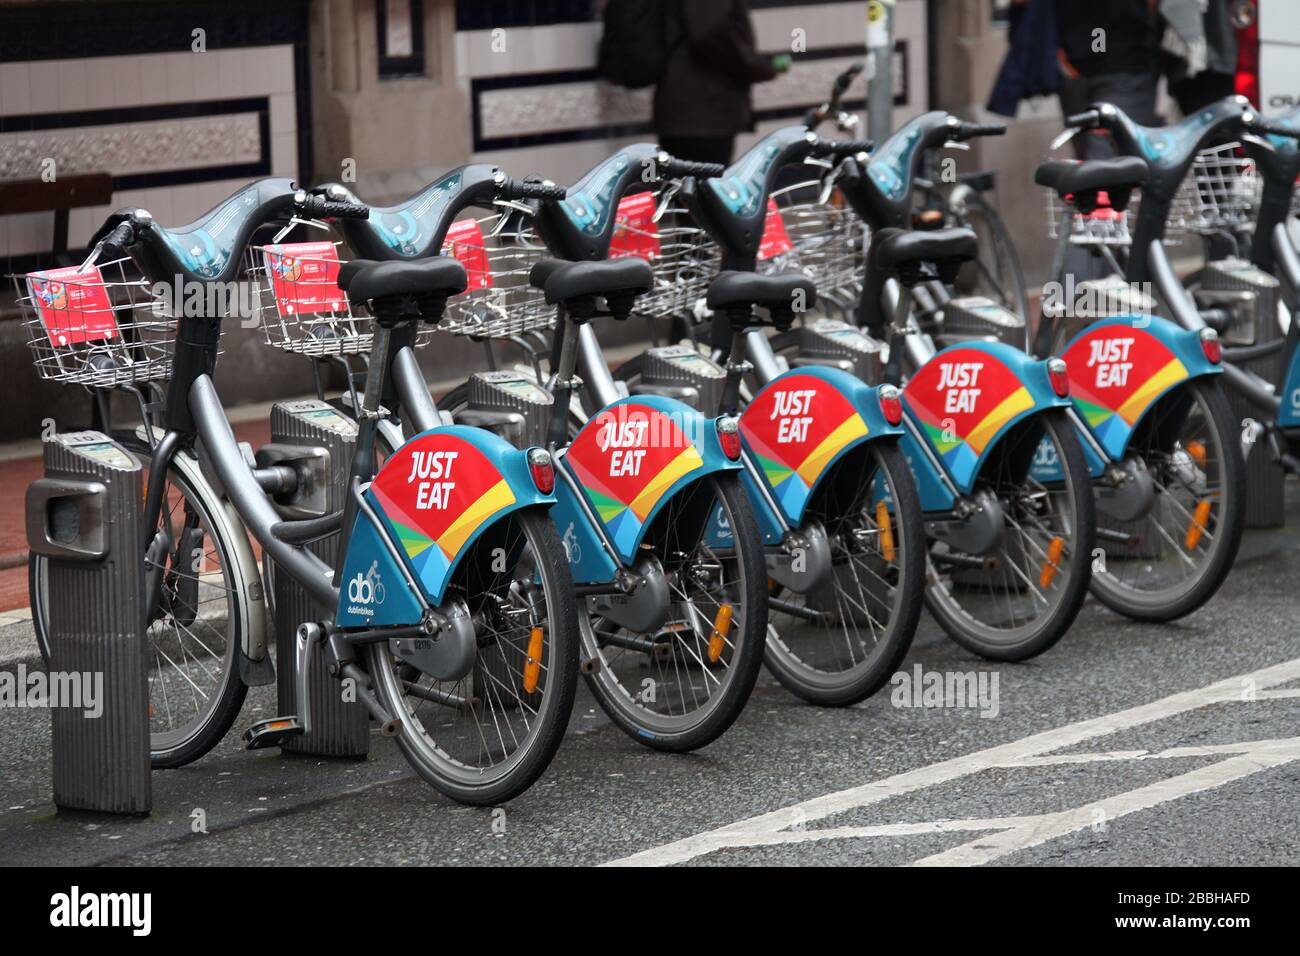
{"points": [[1016, 600], [867, 610], [486, 737], [681, 687], [1180, 552]]}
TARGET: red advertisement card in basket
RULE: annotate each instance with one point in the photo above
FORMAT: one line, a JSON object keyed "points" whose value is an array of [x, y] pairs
{"points": [[635, 231], [304, 278], [73, 305], [775, 239], [465, 242]]}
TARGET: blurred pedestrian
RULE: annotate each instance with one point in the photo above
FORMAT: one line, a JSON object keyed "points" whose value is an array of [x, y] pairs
{"points": [[1108, 54], [703, 98]]}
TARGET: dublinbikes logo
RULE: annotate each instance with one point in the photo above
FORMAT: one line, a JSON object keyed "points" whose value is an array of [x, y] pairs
{"points": [[365, 591]]}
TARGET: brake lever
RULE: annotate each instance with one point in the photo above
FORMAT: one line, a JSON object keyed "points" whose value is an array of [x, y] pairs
{"points": [[1064, 137], [1258, 141], [828, 185], [90, 259], [666, 197], [516, 205], [293, 222]]}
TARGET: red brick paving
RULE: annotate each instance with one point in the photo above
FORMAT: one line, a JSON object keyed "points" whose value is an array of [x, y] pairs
{"points": [[15, 475]]}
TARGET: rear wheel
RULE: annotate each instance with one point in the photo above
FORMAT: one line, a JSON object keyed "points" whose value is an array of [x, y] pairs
{"points": [[869, 608], [681, 687], [1180, 553], [488, 736], [1018, 599]]}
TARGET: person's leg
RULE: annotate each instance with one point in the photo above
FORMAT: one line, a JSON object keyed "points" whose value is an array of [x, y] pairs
{"points": [[699, 149], [1201, 90]]}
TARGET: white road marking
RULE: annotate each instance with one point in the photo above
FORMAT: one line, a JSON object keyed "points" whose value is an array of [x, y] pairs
{"points": [[1014, 832]]}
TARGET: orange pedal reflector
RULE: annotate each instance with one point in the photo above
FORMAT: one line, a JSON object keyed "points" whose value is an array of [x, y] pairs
{"points": [[1053, 562], [1200, 518], [533, 666], [721, 628], [1196, 449], [886, 530]]}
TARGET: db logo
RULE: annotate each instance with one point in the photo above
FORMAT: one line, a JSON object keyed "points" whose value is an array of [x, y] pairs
{"points": [[368, 589]]}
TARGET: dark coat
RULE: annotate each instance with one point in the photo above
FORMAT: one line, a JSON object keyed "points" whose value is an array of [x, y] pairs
{"points": [[1030, 68], [705, 86]]}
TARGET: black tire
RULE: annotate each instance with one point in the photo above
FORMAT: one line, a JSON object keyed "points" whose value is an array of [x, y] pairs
{"points": [[176, 748], [840, 686], [684, 732], [903, 573], [521, 768], [1203, 414], [1075, 517]]}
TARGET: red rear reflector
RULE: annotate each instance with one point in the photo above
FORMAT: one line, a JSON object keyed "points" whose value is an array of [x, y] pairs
{"points": [[541, 470], [891, 403], [1059, 377], [1211, 345], [729, 437]]}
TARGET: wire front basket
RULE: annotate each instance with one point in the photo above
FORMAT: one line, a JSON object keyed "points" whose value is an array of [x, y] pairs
{"points": [[498, 251], [1104, 226], [99, 327], [682, 257], [824, 240], [1221, 193], [298, 303]]}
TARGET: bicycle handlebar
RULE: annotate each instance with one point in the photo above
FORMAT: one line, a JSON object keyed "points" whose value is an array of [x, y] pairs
{"points": [[839, 149], [121, 236], [322, 207], [1269, 128], [524, 189], [1085, 120], [972, 130], [675, 168]]}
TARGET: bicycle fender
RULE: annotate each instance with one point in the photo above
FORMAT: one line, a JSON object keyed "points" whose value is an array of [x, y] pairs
{"points": [[433, 498], [801, 424], [1289, 414], [967, 397], [633, 456], [1120, 367]]}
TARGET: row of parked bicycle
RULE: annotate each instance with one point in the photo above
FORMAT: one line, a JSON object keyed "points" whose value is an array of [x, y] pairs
{"points": [[820, 448]]}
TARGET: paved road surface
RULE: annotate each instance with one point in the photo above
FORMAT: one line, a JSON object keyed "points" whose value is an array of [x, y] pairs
{"points": [[1126, 744]]}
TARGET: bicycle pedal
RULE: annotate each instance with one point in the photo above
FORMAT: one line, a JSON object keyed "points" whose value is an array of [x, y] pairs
{"points": [[272, 732]]}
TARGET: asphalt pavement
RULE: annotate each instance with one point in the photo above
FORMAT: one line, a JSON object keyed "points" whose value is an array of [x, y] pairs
{"points": [[1125, 744]]}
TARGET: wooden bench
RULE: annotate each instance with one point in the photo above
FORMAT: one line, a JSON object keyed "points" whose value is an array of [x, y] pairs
{"points": [[68, 192]]}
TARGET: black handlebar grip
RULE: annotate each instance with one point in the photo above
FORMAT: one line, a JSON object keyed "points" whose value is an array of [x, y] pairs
{"points": [[971, 130], [319, 207], [681, 168], [842, 147], [522, 189], [346, 210], [122, 235], [1083, 120], [1269, 128]]}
